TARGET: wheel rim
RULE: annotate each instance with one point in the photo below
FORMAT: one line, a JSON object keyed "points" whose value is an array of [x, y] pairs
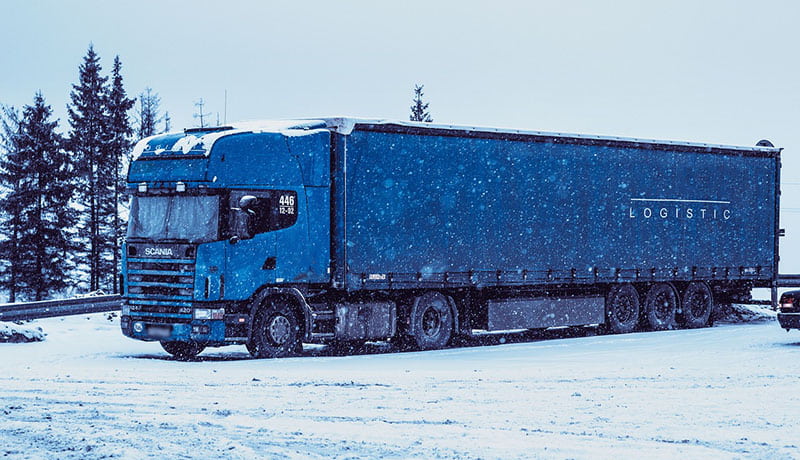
{"points": [[624, 308], [697, 303], [279, 329], [664, 305], [431, 322]]}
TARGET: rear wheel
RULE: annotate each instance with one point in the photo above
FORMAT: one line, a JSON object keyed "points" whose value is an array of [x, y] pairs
{"points": [[431, 322], [661, 305], [697, 305], [276, 332], [183, 350], [622, 309]]}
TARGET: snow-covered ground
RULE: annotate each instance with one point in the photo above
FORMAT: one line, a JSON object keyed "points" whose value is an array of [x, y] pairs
{"points": [[86, 392]]}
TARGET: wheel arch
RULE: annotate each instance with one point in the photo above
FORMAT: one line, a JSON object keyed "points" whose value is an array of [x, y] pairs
{"points": [[291, 295]]}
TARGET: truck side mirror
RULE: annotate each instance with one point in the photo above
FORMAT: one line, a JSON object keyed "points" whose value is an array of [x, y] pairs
{"points": [[245, 214], [247, 202]]}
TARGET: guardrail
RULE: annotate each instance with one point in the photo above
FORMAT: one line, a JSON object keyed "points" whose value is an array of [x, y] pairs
{"points": [[66, 307], [788, 281]]}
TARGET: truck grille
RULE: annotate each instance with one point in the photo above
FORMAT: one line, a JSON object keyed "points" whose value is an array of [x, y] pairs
{"points": [[160, 279]]}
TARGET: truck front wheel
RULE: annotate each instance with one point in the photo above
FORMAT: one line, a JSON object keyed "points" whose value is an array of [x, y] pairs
{"points": [[661, 305], [276, 332], [183, 350]]}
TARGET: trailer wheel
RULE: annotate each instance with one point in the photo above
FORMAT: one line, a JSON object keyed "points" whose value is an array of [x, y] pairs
{"points": [[183, 350], [276, 332], [431, 322], [661, 306], [696, 306], [622, 309]]}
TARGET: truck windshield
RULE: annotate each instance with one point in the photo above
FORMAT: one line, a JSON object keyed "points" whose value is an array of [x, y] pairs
{"points": [[192, 218]]}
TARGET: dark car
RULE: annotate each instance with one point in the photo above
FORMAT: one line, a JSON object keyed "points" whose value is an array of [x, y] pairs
{"points": [[789, 310]]}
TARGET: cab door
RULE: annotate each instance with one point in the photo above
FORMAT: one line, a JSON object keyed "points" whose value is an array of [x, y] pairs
{"points": [[250, 255]]}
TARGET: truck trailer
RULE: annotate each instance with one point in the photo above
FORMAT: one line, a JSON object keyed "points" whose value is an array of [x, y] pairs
{"points": [[275, 234]]}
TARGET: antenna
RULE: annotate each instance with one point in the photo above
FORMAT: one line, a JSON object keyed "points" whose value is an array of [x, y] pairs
{"points": [[225, 109], [201, 115]]}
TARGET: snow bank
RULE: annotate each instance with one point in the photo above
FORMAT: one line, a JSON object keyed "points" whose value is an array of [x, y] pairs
{"points": [[740, 313], [14, 333]]}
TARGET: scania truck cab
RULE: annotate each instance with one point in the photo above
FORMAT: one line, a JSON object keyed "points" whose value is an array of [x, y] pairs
{"points": [[221, 221]]}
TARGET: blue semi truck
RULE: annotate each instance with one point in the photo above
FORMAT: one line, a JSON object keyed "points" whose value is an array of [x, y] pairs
{"points": [[345, 230]]}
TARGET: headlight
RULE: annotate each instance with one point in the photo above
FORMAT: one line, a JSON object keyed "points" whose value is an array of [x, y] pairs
{"points": [[126, 310], [205, 313], [138, 326]]}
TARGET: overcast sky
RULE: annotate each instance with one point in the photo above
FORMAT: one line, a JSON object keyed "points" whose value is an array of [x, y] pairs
{"points": [[710, 71]]}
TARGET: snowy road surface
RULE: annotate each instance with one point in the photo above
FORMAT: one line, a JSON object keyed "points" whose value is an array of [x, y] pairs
{"points": [[731, 391]]}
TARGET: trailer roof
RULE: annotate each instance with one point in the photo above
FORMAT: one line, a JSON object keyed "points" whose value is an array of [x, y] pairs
{"points": [[200, 140], [345, 125]]}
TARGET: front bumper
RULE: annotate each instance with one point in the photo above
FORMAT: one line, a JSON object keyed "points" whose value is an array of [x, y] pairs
{"points": [[789, 320], [209, 332]]}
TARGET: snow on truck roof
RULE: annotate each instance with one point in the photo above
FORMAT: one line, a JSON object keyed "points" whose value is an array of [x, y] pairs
{"points": [[200, 140]]}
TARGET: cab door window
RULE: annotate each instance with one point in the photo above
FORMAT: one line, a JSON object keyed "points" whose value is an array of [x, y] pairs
{"points": [[264, 211]]}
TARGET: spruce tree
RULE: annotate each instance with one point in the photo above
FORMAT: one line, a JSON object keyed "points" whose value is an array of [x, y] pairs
{"points": [[41, 175], [87, 140], [119, 131], [12, 173], [149, 118], [419, 109]]}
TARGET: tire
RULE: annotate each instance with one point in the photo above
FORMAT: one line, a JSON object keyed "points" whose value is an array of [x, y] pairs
{"points": [[696, 306], [431, 322], [276, 332], [661, 306], [183, 350], [622, 309]]}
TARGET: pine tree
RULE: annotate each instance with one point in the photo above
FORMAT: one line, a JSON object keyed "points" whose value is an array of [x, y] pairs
{"points": [[87, 140], [42, 176], [419, 109], [120, 131], [149, 118], [11, 175]]}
